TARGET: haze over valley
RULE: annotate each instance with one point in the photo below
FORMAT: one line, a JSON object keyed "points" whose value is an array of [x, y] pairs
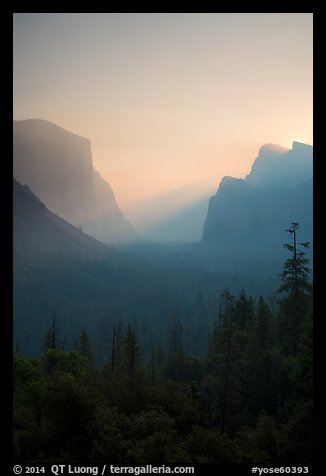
{"points": [[162, 239], [63, 222]]}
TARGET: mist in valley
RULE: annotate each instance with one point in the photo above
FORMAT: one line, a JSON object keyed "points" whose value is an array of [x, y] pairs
{"points": [[162, 239]]}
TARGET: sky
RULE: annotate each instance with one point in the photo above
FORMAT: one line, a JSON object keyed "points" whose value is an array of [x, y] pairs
{"points": [[168, 100]]}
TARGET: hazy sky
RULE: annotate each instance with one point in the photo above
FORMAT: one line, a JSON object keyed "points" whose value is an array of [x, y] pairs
{"points": [[167, 99]]}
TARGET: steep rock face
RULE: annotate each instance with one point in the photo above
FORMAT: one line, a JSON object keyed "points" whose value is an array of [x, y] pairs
{"points": [[231, 214], [247, 219], [57, 165], [40, 236], [278, 167]]}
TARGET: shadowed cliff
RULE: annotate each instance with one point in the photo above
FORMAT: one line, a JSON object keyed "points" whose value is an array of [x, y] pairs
{"points": [[246, 219], [57, 165]]}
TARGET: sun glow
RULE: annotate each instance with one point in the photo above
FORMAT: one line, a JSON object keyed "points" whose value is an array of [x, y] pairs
{"points": [[167, 100]]}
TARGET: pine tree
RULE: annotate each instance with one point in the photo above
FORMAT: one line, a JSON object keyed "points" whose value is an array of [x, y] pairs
{"points": [[153, 366], [233, 360], [264, 386], [176, 361], [244, 311], [175, 335], [84, 347], [246, 350], [293, 308], [132, 350], [223, 359], [300, 424], [51, 344], [295, 270], [116, 347], [52, 337], [264, 325]]}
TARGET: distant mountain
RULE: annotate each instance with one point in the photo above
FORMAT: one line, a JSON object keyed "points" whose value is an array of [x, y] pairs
{"points": [[278, 167], [58, 268], [41, 237], [176, 215], [246, 219], [182, 225], [57, 165]]}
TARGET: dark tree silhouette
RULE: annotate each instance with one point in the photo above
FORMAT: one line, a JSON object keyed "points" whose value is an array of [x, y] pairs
{"points": [[294, 306], [52, 337], [133, 352], [84, 346], [51, 343], [295, 270]]}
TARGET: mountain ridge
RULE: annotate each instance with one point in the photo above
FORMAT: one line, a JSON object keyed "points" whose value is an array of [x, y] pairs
{"points": [[40, 236], [57, 164], [278, 166], [246, 218]]}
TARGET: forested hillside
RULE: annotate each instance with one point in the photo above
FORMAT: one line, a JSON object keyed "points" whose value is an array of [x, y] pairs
{"points": [[247, 399], [163, 244]]}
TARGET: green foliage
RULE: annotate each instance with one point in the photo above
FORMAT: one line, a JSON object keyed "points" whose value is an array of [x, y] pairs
{"points": [[263, 444], [233, 363], [249, 400], [207, 446], [108, 439], [292, 312], [295, 270], [271, 384], [93, 295], [84, 346], [132, 350], [264, 325], [299, 426], [295, 274], [294, 307], [51, 338], [25, 371], [116, 348]]}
